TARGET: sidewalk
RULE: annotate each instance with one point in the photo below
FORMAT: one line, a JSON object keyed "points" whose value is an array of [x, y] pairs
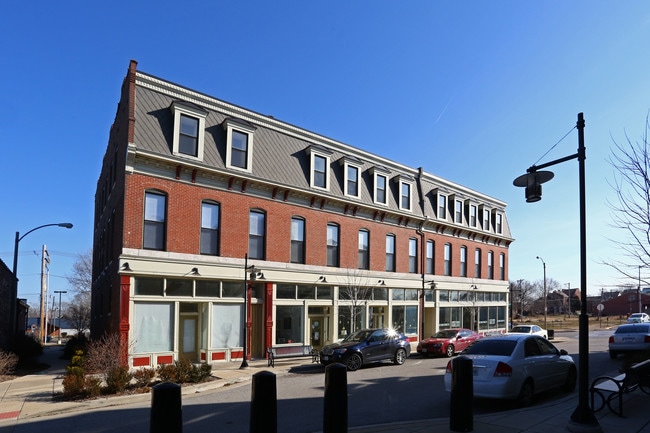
{"points": [[31, 397]]}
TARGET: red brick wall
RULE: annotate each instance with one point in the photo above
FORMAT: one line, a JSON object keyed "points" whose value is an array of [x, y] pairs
{"points": [[184, 226]]}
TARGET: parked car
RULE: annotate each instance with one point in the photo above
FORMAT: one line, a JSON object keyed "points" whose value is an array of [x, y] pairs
{"points": [[638, 318], [366, 346], [517, 366], [447, 342], [629, 338], [529, 329]]}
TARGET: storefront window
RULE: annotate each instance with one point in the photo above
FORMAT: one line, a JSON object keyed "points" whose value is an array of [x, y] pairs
{"points": [[323, 292], [306, 292], [207, 288], [289, 324], [179, 287], [351, 319], [380, 294], [233, 289], [285, 291], [154, 327], [405, 318], [149, 286], [227, 325]]}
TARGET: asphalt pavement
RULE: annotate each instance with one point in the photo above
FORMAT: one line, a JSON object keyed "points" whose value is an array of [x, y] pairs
{"points": [[26, 399]]}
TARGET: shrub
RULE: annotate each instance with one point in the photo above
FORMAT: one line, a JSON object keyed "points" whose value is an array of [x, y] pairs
{"points": [[184, 370], [167, 372], [8, 362], [27, 348], [143, 376], [201, 372], [117, 379], [74, 344], [73, 385], [92, 386]]}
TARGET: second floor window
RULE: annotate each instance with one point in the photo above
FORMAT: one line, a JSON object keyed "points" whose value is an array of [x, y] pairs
{"points": [[502, 266], [447, 259], [477, 263], [297, 240], [364, 248], [413, 255], [209, 228], [256, 235], [490, 265], [390, 253], [463, 261], [155, 209], [332, 245], [429, 261]]}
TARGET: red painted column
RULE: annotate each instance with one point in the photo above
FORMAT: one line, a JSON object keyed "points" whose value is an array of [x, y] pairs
{"points": [[268, 317], [125, 295]]}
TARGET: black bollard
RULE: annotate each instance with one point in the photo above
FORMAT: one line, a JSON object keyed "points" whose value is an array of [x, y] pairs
{"points": [[461, 416], [335, 414], [264, 403], [166, 410]]}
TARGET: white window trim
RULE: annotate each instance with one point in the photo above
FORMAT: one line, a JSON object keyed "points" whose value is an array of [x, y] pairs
{"points": [[179, 108], [446, 204], [475, 207], [323, 153], [231, 125], [462, 207], [376, 172], [346, 163], [410, 185]]}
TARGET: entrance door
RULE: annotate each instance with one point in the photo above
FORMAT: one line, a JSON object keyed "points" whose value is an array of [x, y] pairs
{"points": [[316, 335], [188, 332]]}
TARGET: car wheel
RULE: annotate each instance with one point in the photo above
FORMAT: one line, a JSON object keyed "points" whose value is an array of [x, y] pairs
{"points": [[571, 380], [525, 398], [450, 351], [354, 362], [613, 354], [400, 357]]}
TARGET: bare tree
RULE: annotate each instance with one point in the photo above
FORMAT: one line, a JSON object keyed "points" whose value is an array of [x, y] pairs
{"points": [[78, 311], [82, 272], [358, 291], [631, 216]]}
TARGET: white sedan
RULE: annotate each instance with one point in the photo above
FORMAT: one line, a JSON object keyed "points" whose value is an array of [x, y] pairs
{"points": [[631, 337], [529, 329], [516, 366], [638, 318]]}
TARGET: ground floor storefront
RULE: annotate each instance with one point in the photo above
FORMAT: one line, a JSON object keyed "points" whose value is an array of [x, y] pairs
{"points": [[203, 318]]}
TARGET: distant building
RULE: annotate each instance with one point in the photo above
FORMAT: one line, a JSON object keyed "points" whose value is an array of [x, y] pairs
{"points": [[195, 191], [6, 328]]}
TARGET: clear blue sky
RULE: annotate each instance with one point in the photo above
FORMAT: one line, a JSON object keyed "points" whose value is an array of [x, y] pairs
{"points": [[474, 91]]}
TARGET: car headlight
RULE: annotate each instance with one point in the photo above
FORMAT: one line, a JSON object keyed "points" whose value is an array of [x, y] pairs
{"points": [[340, 351]]}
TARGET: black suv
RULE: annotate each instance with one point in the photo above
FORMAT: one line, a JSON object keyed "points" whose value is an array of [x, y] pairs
{"points": [[366, 346]]}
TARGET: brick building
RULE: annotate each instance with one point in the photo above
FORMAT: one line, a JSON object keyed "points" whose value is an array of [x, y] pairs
{"points": [[199, 198]]}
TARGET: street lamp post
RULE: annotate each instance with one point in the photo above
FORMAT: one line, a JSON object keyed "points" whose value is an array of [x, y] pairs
{"points": [[14, 289], [253, 276], [60, 292], [545, 309], [583, 418]]}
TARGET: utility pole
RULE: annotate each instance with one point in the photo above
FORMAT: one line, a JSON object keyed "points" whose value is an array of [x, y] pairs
{"points": [[45, 260]]}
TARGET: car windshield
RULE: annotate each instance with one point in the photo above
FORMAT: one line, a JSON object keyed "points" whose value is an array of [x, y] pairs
{"points": [[491, 346], [359, 335], [525, 329], [633, 329], [447, 333]]}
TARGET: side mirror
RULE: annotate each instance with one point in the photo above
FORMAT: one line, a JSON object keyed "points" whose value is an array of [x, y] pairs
{"points": [[563, 352]]}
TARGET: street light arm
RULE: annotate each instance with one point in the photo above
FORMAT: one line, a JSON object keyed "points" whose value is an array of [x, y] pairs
{"points": [[65, 225]]}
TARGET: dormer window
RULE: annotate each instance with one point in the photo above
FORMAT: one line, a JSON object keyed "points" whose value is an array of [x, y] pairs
{"points": [[405, 190], [352, 171], [485, 222], [442, 206], [380, 183], [498, 223], [473, 215], [319, 163], [458, 211], [189, 129], [239, 144]]}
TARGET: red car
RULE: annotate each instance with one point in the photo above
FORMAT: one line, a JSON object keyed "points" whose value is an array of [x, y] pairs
{"points": [[447, 342]]}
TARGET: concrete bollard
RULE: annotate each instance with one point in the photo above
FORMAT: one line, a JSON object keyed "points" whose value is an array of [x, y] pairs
{"points": [[166, 409], [461, 416], [264, 403], [335, 414]]}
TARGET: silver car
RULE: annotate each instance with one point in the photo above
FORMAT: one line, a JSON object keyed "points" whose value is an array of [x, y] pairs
{"points": [[517, 366], [629, 338]]}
